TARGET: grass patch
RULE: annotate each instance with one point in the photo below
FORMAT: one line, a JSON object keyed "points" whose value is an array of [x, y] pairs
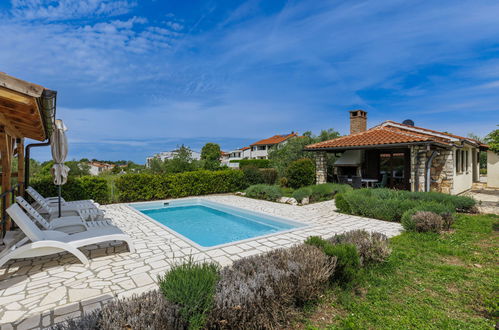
{"points": [[447, 281]]}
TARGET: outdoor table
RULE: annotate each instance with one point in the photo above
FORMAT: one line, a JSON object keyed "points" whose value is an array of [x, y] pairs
{"points": [[369, 183]]}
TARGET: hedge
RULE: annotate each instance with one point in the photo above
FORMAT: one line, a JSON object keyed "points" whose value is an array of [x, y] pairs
{"points": [[260, 163], [301, 173], [389, 204], [142, 186], [76, 188]]}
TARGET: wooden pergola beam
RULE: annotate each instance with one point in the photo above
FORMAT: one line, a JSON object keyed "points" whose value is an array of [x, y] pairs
{"points": [[6, 152], [20, 165]]}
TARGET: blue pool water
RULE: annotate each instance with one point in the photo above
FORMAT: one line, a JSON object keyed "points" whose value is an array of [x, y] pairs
{"points": [[209, 224]]}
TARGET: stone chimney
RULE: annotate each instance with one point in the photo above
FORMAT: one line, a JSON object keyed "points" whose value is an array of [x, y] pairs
{"points": [[358, 121]]}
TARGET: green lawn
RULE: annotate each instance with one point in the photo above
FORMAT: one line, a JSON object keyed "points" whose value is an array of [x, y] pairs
{"points": [[448, 281]]}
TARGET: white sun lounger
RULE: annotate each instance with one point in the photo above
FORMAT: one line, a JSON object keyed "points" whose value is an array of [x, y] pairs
{"points": [[67, 224], [85, 210], [45, 242], [52, 203]]}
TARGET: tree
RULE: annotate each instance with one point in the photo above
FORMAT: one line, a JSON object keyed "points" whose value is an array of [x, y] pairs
{"points": [[210, 154], [492, 139], [182, 161], [293, 150]]}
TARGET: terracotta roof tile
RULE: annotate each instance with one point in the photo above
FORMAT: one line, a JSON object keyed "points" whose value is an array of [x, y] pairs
{"points": [[275, 139], [370, 137], [390, 132]]}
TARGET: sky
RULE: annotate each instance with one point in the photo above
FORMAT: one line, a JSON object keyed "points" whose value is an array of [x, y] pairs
{"points": [[139, 77]]}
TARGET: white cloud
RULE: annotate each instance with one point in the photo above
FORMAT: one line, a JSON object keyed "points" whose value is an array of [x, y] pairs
{"points": [[68, 9]]}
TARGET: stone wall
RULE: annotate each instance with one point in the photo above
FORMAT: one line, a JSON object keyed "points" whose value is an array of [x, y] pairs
{"points": [[441, 171], [418, 161], [320, 167]]}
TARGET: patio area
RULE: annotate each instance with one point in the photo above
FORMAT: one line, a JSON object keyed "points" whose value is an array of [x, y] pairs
{"points": [[40, 292]]}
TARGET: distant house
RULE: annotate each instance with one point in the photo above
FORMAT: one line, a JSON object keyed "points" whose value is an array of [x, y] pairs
{"points": [[170, 155], [260, 149], [97, 168], [406, 156], [235, 155]]}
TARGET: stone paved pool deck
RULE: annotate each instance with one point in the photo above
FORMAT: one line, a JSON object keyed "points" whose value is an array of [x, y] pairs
{"points": [[39, 292]]}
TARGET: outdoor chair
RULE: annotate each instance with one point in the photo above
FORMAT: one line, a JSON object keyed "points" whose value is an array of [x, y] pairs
{"points": [[84, 209], [67, 224], [356, 182], [383, 183], [40, 242], [343, 179]]}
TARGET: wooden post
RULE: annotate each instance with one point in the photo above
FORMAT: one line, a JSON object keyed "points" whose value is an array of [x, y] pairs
{"points": [[6, 149], [20, 165]]}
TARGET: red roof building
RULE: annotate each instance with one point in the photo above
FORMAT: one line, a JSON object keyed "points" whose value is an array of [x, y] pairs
{"points": [[402, 156]]}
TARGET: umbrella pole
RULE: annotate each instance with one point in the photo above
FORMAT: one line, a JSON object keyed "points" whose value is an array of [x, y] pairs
{"points": [[59, 201]]}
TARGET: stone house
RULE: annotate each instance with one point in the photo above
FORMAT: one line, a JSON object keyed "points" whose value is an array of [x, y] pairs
{"points": [[410, 157]]}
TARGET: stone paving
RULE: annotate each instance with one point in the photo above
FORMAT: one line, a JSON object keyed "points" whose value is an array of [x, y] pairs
{"points": [[39, 292]]}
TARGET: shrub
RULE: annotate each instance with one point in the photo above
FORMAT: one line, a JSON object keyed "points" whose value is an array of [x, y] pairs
{"points": [[89, 321], [425, 221], [283, 182], [347, 259], [443, 210], [301, 193], [261, 292], [388, 204], [263, 191], [252, 175], [147, 311], [326, 191], [269, 175], [191, 286], [143, 186], [258, 163], [76, 188], [301, 173], [341, 203], [372, 247]]}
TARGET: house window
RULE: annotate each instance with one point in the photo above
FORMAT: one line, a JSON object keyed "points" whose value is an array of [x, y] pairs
{"points": [[261, 147], [458, 161], [466, 160]]}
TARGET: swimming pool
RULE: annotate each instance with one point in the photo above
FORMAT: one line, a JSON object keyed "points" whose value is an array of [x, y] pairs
{"points": [[209, 224]]}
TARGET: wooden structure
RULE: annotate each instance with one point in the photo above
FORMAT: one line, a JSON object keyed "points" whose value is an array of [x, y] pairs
{"points": [[26, 111]]}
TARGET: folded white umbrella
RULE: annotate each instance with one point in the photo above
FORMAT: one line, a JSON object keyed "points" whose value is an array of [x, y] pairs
{"points": [[59, 148]]}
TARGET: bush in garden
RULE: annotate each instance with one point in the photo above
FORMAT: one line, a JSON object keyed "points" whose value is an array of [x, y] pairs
{"points": [[261, 292], [264, 191], [283, 182], [341, 203], [143, 186], [425, 221], [269, 175], [76, 188], [146, 311], [301, 173], [347, 259], [388, 204], [372, 247], [89, 321], [252, 175], [443, 210], [191, 286], [301, 193]]}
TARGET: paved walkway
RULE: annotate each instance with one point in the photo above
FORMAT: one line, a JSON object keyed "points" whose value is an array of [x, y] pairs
{"points": [[488, 199], [39, 292]]}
